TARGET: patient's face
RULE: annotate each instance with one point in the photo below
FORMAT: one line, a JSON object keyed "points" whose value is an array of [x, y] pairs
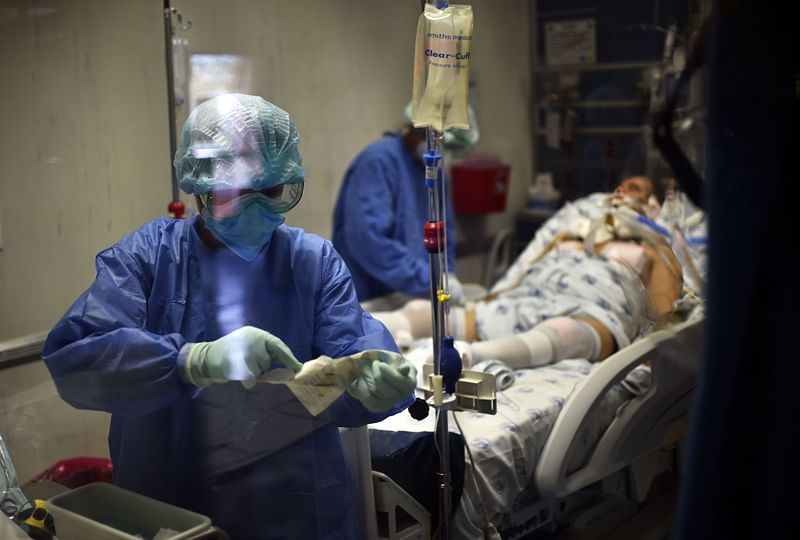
{"points": [[633, 193], [637, 187]]}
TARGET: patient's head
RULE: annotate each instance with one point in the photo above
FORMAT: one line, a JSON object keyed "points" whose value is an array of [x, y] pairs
{"points": [[636, 193], [639, 188]]}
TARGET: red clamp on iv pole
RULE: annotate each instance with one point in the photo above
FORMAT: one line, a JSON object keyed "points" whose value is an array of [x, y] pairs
{"points": [[433, 236]]}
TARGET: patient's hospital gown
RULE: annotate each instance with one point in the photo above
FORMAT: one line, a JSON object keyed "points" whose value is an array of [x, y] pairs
{"points": [[691, 221], [590, 207], [589, 284], [569, 283]]}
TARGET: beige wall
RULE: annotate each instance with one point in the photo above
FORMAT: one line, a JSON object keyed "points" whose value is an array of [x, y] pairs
{"points": [[84, 147]]}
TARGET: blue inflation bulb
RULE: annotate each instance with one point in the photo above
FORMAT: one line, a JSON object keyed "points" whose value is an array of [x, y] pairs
{"points": [[450, 365]]}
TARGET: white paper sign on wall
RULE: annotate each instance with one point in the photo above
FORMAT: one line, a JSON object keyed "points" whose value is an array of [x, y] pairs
{"points": [[570, 42]]}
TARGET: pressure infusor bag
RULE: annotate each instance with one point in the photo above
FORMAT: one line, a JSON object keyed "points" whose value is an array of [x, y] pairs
{"points": [[441, 68]]}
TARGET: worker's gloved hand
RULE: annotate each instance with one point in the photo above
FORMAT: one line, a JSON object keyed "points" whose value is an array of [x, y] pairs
{"points": [[384, 382], [243, 355], [457, 297]]}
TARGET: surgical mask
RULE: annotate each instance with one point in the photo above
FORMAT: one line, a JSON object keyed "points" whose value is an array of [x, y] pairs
{"points": [[247, 232]]}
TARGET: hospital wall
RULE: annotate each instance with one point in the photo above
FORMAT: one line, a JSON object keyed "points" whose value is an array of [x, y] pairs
{"points": [[82, 161], [85, 151]]}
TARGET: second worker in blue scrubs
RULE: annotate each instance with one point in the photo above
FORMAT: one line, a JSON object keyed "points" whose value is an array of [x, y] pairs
{"points": [[380, 211]]}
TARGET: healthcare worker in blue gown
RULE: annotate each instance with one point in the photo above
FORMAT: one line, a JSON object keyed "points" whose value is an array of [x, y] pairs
{"points": [[382, 207], [184, 315]]}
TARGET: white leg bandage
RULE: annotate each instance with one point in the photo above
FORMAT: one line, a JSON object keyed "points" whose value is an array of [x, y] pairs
{"points": [[512, 350], [553, 340], [414, 320], [411, 321], [418, 313], [573, 338], [395, 321]]}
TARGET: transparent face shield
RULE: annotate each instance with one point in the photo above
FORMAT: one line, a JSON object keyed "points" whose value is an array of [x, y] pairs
{"points": [[225, 158], [237, 143], [224, 203], [233, 170]]}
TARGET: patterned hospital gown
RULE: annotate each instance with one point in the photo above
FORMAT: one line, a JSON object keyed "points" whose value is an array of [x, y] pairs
{"points": [[569, 283]]}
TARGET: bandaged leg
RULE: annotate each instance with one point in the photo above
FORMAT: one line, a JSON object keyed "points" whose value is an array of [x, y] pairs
{"points": [[553, 340], [413, 321], [395, 321]]}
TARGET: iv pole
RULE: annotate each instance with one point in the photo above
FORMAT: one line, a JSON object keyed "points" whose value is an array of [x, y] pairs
{"points": [[446, 385], [435, 241], [176, 207], [168, 10]]}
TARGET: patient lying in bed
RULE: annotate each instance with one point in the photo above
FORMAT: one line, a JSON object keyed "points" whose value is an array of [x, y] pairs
{"points": [[600, 283]]}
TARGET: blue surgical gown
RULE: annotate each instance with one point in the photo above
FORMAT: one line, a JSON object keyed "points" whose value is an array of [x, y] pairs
{"points": [[253, 460], [378, 220]]}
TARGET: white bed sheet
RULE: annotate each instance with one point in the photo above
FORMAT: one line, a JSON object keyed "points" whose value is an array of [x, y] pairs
{"points": [[506, 446]]}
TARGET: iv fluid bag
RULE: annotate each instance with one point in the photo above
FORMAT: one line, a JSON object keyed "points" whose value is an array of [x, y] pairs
{"points": [[441, 68]]}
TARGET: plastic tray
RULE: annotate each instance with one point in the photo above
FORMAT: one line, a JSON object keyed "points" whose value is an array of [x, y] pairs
{"points": [[104, 511]]}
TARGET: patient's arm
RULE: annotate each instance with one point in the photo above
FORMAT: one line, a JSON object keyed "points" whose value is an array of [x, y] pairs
{"points": [[662, 277]]}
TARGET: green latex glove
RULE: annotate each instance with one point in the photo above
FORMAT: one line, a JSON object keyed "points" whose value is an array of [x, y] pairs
{"points": [[384, 382], [243, 355]]}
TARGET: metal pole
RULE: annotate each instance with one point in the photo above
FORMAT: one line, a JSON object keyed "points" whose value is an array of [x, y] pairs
{"points": [[170, 94], [442, 431], [434, 243]]}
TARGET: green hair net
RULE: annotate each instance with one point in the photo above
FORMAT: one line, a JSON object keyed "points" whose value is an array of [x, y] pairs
{"points": [[237, 141]]}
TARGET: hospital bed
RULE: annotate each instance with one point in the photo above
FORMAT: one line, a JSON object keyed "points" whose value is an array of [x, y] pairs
{"points": [[572, 442]]}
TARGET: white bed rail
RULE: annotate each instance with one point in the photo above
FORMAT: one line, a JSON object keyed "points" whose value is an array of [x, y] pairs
{"points": [[386, 511], [641, 427], [355, 442]]}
